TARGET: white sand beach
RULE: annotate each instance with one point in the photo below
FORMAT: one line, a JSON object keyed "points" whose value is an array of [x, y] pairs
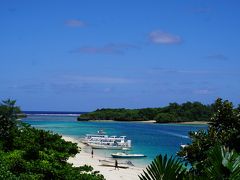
{"points": [[84, 157]]}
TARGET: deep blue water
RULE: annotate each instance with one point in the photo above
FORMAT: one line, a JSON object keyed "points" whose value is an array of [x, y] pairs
{"points": [[149, 139]]}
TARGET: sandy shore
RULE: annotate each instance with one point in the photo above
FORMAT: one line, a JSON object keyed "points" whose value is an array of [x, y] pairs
{"points": [[148, 121], [192, 122], [154, 121], [84, 157], [186, 122]]}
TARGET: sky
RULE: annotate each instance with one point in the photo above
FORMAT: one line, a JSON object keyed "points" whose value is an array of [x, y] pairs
{"points": [[80, 55]]}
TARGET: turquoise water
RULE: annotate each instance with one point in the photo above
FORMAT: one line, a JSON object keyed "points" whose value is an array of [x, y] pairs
{"points": [[148, 139]]}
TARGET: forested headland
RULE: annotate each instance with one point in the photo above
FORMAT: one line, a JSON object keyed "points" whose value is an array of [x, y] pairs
{"points": [[174, 112]]}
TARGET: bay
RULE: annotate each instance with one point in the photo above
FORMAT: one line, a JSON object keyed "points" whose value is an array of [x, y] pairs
{"points": [[150, 139]]}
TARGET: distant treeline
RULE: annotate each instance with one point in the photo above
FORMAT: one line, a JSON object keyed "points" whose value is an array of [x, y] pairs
{"points": [[174, 112]]}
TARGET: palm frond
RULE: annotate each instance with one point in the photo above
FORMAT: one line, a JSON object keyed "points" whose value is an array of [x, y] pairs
{"points": [[223, 164], [163, 168]]}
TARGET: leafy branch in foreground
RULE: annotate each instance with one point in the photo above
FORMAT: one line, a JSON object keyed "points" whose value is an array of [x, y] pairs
{"points": [[164, 169], [221, 164]]}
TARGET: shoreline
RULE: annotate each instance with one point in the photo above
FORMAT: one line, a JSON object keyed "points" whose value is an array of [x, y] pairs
{"points": [[191, 122], [154, 121], [84, 157]]}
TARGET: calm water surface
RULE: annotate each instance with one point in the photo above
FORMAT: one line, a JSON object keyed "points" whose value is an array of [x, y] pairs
{"points": [[148, 139]]}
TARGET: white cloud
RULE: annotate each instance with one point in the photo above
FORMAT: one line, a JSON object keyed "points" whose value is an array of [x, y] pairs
{"points": [[221, 57], [96, 79], [161, 37], [202, 91], [111, 48], [75, 23]]}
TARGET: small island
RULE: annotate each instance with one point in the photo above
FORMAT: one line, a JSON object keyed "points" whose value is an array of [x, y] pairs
{"points": [[174, 112]]}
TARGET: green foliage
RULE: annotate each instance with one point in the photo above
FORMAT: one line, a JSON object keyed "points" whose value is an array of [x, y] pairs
{"points": [[173, 113], [29, 153], [44, 155], [149, 113], [225, 123], [5, 173], [8, 114], [213, 153], [224, 129], [186, 112], [163, 168], [165, 117], [222, 164]]}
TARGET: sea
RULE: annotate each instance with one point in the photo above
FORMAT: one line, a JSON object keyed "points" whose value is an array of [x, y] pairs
{"points": [[150, 139]]}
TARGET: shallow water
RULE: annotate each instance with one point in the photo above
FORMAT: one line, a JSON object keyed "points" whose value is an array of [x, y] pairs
{"points": [[148, 139]]}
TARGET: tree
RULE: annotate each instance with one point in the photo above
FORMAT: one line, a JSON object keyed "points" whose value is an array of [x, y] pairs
{"points": [[224, 129], [165, 117], [222, 164], [163, 168], [148, 113], [30, 153], [174, 112], [213, 153], [8, 121]]}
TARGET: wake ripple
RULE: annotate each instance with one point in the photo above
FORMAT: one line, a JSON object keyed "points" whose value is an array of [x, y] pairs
{"points": [[175, 134]]}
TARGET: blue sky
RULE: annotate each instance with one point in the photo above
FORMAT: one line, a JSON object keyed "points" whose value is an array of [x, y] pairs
{"points": [[87, 54]]}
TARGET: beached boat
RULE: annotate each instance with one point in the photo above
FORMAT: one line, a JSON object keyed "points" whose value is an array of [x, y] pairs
{"points": [[112, 164], [126, 155]]}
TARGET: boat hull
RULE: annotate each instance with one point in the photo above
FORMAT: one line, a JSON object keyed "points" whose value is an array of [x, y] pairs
{"points": [[99, 146], [112, 164], [128, 155]]}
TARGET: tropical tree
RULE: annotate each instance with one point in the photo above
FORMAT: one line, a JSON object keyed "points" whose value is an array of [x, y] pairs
{"points": [[165, 117], [224, 129], [27, 153], [8, 120], [222, 164], [163, 168], [213, 153], [226, 124]]}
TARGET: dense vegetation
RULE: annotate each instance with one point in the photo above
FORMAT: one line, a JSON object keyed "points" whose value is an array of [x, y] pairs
{"points": [[213, 154], [172, 113], [28, 153]]}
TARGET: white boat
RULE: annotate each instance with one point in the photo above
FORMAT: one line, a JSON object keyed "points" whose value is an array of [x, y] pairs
{"points": [[103, 141], [126, 155], [111, 143], [107, 146], [183, 145], [101, 132], [94, 137]]}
